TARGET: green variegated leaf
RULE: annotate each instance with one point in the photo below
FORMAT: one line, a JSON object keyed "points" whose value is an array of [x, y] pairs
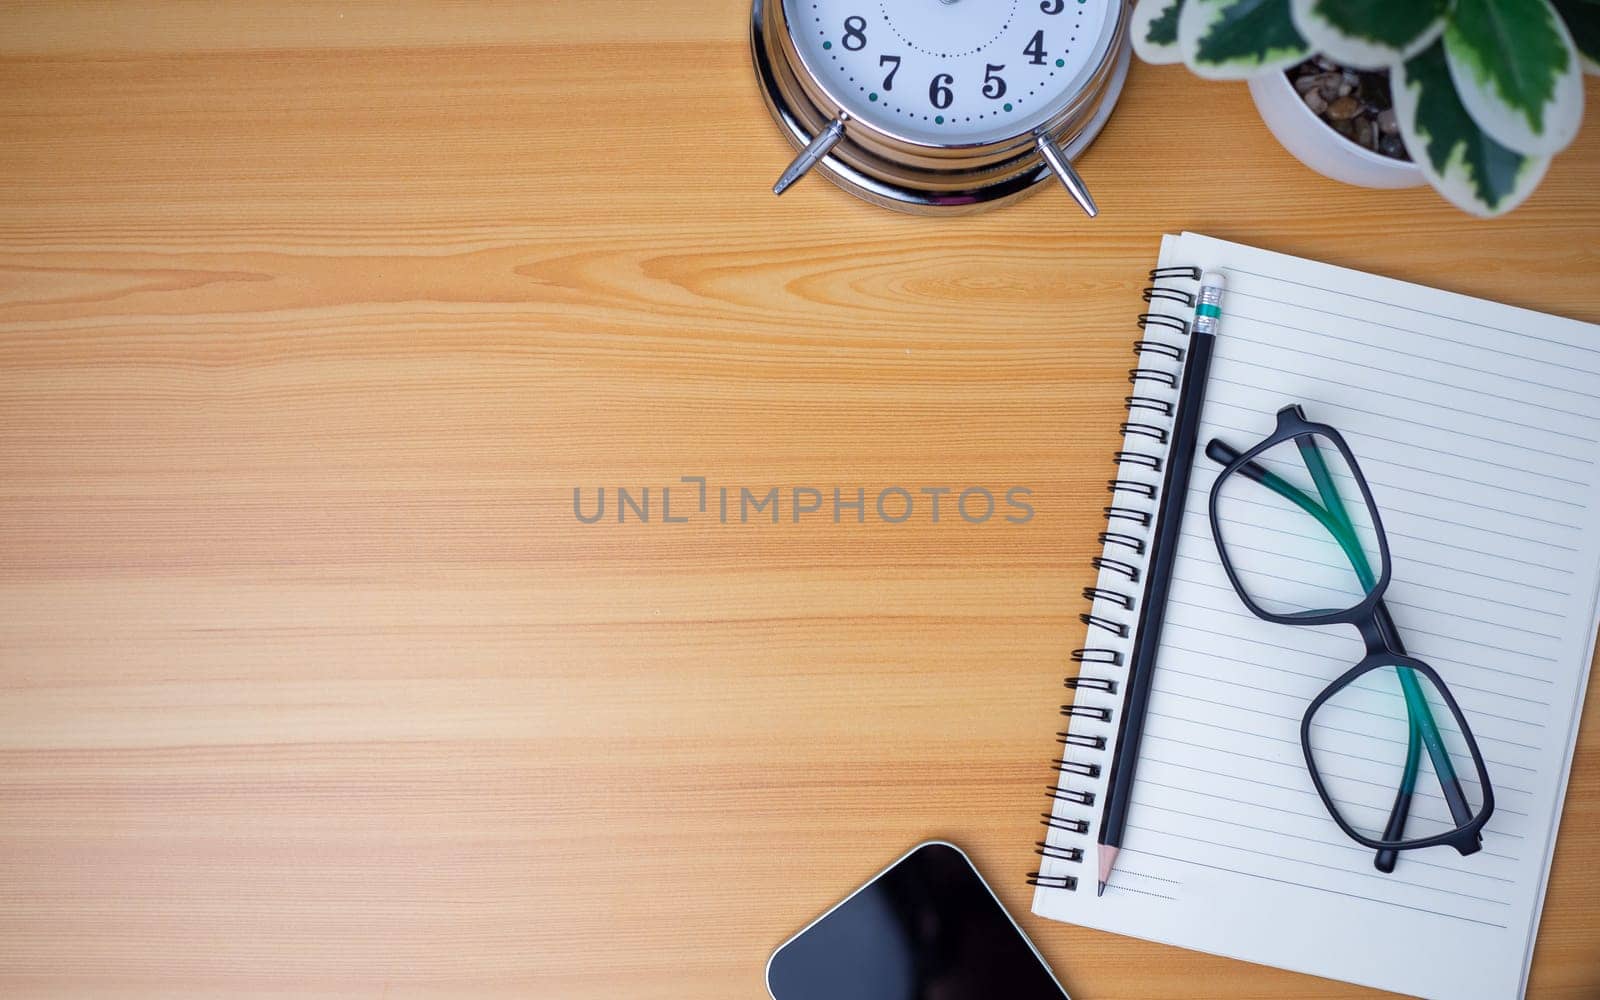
{"points": [[1469, 168], [1155, 30], [1235, 39], [1369, 34], [1583, 23], [1517, 72]]}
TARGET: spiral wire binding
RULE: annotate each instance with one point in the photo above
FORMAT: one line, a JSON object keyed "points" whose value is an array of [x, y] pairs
{"points": [[1091, 594], [1161, 406], [1151, 462], [1127, 525], [1146, 490], [1123, 539], [1138, 428]]}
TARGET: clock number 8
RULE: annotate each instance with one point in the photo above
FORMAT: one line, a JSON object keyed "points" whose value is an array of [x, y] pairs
{"points": [[855, 33]]}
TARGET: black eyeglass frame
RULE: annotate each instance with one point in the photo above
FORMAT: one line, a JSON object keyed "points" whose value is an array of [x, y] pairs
{"points": [[1371, 618]]}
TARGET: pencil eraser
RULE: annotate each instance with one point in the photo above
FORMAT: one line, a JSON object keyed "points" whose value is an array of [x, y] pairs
{"points": [[1213, 279]]}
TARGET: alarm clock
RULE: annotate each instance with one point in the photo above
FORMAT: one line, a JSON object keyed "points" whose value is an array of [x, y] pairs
{"points": [[940, 106]]}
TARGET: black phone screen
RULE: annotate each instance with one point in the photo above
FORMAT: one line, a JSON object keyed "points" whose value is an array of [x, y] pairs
{"points": [[926, 929]]}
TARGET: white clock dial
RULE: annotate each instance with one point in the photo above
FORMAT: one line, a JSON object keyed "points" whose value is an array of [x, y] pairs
{"points": [[952, 72]]}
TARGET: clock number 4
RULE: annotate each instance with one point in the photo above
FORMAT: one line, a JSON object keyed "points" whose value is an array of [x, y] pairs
{"points": [[893, 62], [1034, 50], [855, 33]]}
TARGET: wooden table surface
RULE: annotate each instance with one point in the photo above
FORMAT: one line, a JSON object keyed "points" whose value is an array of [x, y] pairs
{"points": [[312, 318]]}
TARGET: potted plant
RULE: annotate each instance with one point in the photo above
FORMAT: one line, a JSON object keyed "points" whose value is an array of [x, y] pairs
{"points": [[1482, 93]]}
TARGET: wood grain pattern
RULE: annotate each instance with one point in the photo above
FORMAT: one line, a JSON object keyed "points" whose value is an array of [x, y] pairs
{"points": [[312, 317]]}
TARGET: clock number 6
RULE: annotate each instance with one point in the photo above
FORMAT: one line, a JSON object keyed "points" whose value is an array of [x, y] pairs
{"points": [[894, 62], [939, 91], [1052, 6], [994, 88], [855, 33]]}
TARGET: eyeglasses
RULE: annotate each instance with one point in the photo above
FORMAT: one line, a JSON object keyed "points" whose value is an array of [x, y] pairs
{"points": [[1296, 556]]}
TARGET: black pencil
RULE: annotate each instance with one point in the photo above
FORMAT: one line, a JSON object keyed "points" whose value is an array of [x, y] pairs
{"points": [[1152, 610]]}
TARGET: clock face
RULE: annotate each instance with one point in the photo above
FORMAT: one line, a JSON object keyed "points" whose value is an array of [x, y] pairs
{"points": [[952, 72]]}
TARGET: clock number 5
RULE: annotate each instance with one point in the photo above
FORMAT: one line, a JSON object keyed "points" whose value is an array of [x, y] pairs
{"points": [[1052, 6], [894, 63], [855, 33], [939, 93], [994, 88]]}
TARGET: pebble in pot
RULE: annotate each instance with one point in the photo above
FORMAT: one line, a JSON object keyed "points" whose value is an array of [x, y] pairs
{"points": [[1355, 103]]}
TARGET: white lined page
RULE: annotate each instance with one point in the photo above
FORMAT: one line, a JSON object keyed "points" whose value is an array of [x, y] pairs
{"points": [[1478, 428]]}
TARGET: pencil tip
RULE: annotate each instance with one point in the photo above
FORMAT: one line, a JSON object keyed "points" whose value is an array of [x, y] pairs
{"points": [[1102, 890]]}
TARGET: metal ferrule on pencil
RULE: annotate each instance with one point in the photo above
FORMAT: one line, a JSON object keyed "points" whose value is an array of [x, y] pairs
{"points": [[1208, 310]]}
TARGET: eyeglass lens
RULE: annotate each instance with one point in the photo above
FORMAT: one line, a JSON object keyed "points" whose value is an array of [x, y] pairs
{"points": [[1297, 530], [1371, 738]]}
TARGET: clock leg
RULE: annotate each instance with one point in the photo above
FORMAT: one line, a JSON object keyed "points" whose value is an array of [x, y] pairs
{"points": [[825, 140], [1062, 168]]}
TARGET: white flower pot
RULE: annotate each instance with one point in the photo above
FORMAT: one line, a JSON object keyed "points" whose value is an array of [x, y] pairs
{"points": [[1319, 147]]}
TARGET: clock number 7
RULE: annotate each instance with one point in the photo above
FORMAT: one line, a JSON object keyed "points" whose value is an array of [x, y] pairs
{"points": [[894, 62]]}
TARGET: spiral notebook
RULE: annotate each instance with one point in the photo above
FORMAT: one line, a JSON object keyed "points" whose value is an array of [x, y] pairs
{"points": [[1478, 428]]}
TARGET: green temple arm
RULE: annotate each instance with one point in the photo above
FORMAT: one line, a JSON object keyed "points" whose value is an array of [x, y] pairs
{"points": [[1342, 529], [1416, 703]]}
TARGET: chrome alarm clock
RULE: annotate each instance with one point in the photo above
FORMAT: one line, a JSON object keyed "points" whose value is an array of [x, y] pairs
{"points": [[940, 106]]}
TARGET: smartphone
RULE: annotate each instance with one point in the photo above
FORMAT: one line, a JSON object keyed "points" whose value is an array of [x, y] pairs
{"points": [[928, 927]]}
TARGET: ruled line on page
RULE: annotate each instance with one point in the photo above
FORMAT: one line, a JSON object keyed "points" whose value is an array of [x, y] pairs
{"points": [[1329, 727], [1409, 377], [1222, 401], [1379, 812], [1279, 324], [1252, 734], [1301, 583], [1499, 419], [1389, 880], [1321, 814], [1218, 727], [1114, 884], [1563, 344], [1316, 888], [1338, 665], [1409, 630], [1431, 658], [1388, 787], [1296, 697], [1390, 601], [1298, 766], [1345, 844], [1387, 420], [1203, 490], [1214, 425], [1156, 878], [1204, 513], [1322, 682], [1430, 588]]}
